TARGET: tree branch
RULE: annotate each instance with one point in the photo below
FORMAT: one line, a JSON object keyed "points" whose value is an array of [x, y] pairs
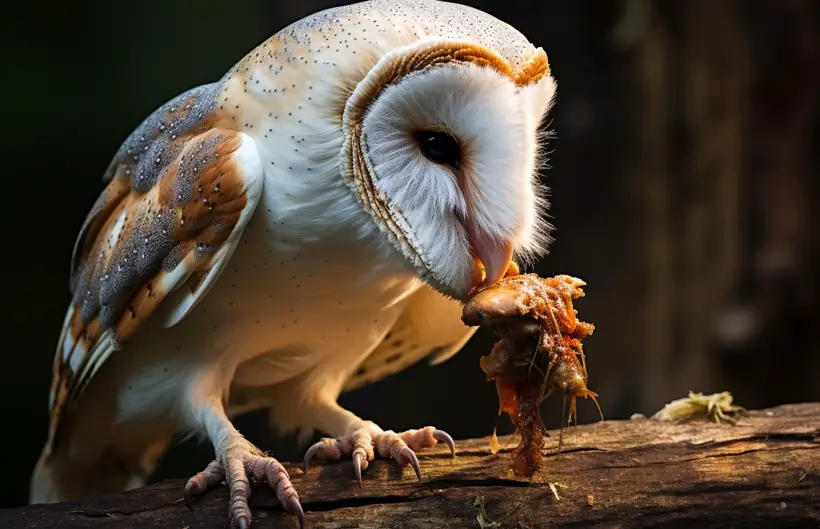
{"points": [[762, 472]]}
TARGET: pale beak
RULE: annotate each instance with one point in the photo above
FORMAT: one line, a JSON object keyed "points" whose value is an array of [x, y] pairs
{"points": [[494, 255]]}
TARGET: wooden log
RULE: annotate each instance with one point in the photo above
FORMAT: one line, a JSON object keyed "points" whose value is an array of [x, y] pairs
{"points": [[762, 472]]}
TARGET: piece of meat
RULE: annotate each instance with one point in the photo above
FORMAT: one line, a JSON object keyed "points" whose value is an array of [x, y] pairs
{"points": [[539, 351]]}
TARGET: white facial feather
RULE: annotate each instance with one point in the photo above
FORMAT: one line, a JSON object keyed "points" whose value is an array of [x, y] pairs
{"points": [[496, 125]]}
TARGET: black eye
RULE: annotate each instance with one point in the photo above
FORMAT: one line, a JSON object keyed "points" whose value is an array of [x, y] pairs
{"points": [[440, 147]]}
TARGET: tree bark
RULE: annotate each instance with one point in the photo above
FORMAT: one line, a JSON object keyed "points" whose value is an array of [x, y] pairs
{"points": [[762, 472]]}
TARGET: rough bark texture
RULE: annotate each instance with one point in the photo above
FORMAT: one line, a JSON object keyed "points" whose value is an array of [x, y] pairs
{"points": [[762, 472]]}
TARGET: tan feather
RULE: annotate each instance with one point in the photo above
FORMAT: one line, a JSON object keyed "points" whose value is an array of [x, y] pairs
{"points": [[141, 242]]}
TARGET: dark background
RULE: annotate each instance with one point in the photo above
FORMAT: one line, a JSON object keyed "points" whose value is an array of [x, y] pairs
{"points": [[684, 183]]}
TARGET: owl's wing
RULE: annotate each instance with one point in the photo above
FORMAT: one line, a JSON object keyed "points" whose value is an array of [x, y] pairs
{"points": [[178, 196], [430, 326]]}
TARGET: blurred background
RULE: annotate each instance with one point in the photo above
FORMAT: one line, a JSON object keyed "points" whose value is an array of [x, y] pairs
{"points": [[685, 181]]}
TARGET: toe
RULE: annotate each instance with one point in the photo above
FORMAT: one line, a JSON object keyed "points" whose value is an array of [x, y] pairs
{"points": [[270, 470], [427, 437], [324, 450], [240, 490], [358, 445], [362, 443], [202, 481]]}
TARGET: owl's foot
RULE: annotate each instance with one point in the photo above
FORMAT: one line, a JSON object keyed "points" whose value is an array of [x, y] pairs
{"points": [[239, 464], [364, 443]]}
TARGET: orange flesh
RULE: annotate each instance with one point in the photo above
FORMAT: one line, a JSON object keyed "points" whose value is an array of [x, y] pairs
{"points": [[539, 351], [519, 401]]}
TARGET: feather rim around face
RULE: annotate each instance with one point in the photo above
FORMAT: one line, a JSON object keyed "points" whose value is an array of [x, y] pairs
{"points": [[357, 171]]}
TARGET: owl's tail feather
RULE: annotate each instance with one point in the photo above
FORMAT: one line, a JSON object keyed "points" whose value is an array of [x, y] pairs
{"points": [[58, 477]]}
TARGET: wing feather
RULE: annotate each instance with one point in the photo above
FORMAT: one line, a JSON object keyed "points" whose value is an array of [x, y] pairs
{"points": [[160, 135], [169, 218], [430, 326]]}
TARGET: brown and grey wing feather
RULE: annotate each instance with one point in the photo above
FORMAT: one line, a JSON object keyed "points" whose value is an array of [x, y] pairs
{"points": [[429, 327], [150, 234], [143, 156]]}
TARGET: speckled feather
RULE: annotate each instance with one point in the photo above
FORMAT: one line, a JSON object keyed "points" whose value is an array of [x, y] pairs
{"points": [[284, 257], [160, 220]]}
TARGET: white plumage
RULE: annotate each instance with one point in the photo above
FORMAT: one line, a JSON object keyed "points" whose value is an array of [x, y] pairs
{"points": [[308, 224]]}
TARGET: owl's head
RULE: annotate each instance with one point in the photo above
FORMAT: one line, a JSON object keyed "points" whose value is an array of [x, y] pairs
{"points": [[442, 144]]}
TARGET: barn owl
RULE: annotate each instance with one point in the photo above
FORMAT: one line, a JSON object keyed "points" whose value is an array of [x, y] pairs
{"points": [[310, 223]]}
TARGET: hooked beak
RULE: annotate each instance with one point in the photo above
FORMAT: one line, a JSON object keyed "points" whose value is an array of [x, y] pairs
{"points": [[494, 255]]}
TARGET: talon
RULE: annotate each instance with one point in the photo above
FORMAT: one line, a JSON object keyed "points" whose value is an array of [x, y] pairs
{"points": [[443, 437], [242, 523], [357, 467], [293, 506], [410, 457], [314, 448]]}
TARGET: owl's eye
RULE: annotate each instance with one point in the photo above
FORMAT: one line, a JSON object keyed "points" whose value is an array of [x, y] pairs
{"points": [[440, 147]]}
